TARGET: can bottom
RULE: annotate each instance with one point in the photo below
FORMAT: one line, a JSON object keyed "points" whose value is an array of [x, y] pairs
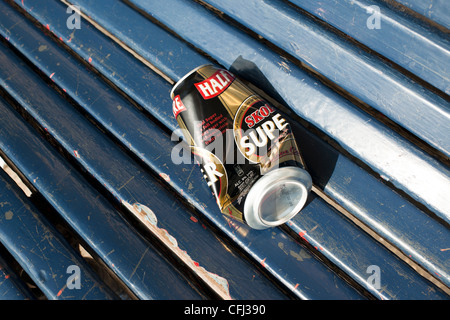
{"points": [[277, 197]]}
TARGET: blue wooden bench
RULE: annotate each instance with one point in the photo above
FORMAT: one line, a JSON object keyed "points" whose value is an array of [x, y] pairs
{"points": [[86, 123]]}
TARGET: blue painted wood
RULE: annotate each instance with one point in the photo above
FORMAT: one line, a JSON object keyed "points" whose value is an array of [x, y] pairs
{"points": [[139, 189], [24, 229], [326, 245], [436, 10], [361, 74], [425, 180], [133, 259], [403, 39], [151, 149], [11, 287]]}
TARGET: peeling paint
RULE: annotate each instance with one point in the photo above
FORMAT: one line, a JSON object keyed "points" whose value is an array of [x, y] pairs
{"points": [[301, 255], [145, 215], [8, 215], [284, 66], [42, 48], [165, 176]]}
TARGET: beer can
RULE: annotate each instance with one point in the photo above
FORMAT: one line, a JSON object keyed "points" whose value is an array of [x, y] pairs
{"points": [[244, 146]]}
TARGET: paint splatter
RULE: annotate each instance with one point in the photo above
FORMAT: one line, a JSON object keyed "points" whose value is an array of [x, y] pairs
{"points": [[302, 235], [60, 292], [9, 215], [263, 262]]}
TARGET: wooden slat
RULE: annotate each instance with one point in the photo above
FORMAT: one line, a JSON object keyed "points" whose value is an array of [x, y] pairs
{"points": [[436, 10], [403, 39]]}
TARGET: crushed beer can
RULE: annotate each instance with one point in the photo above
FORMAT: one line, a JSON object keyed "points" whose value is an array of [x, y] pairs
{"points": [[244, 146]]}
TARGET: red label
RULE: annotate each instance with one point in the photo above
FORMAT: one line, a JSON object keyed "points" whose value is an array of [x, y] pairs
{"points": [[177, 106], [258, 115], [215, 85]]}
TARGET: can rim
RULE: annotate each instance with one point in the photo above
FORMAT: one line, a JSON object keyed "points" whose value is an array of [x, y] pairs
{"points": [[293, 210], [185, 76], [294, 175]]}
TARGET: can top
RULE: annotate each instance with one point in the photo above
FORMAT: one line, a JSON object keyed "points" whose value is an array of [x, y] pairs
{"points": [[277, 197], [185, 77]]}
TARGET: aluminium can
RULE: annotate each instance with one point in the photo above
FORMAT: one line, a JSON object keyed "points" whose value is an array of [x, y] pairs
{"points": [[244, 146]]}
